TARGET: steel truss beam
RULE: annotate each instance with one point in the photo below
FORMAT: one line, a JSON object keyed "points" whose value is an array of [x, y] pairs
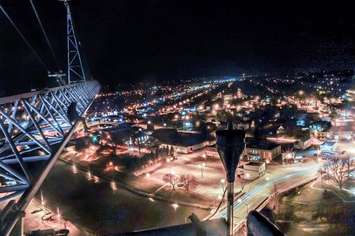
{"points": [[34, 127]]}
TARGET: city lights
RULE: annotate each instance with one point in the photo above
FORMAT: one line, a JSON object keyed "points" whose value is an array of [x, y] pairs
{"points": [[74, 169], [42, 199], [89, 175], [291, 139], [113, 185], [175, 206]]}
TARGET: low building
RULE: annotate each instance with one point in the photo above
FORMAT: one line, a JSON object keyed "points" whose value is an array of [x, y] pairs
{"points": [[303, 142], [261, 150], [183, 142], [243, 125], [320, 129], [328, 147], [288, 157], [344, 132], [251, 170]]}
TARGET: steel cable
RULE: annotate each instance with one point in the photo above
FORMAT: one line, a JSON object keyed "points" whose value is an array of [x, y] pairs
{"points": [[44, 34], [23, 37]]}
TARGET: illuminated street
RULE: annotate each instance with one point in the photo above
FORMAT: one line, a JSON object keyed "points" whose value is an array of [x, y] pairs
{"points": [[256, 192]]}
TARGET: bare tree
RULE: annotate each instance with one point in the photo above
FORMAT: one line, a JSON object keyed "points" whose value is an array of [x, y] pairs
{"points": [[189, 182], [172, 179], [348, 161], [336, 169]]}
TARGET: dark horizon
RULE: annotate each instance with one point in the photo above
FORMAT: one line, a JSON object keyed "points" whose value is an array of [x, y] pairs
{"points": [[132, 41]]}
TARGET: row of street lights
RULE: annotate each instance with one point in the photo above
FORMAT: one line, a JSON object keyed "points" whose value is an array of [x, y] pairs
{"points": [[43, 204]]}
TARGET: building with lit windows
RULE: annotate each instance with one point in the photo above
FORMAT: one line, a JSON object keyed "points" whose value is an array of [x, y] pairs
{"points": [[183, 142], [261, 150], [251, 170]]}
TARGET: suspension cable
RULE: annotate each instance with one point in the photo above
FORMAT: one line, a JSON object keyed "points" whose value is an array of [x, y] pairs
{"points": [[44, 33], [23, 37]]}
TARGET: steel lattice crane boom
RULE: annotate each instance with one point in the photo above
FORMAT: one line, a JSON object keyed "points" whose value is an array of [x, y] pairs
{"points": [[75, 70], [35, 127]]}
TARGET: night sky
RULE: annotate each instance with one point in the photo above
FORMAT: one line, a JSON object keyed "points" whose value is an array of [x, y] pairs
{"points": [[126, 40]]}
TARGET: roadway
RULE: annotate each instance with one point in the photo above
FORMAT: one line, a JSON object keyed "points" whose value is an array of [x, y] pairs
{"points": [[274, 180]]}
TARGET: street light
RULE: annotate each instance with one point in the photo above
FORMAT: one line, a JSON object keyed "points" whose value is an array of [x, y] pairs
{"points": [[202, 167], [230, 145], [58, 214], [113, 185], [75, 170], [175, 206], [42, 199], [89, 175], [204, 156]]}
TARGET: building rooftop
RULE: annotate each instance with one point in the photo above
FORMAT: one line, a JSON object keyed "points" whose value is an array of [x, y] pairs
{"points": [[172, 137], [260, 144], [254, 163]]}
